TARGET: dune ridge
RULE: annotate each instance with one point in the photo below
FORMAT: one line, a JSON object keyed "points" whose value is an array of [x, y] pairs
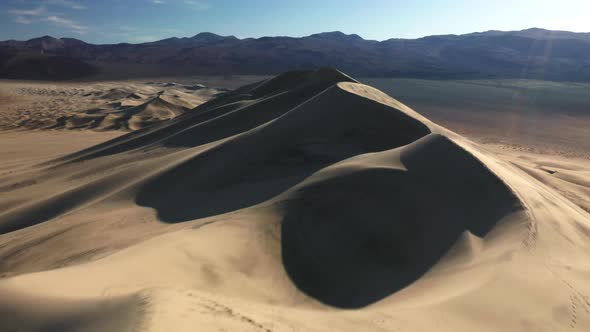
{"points": [[307, 201], [100, 106]]}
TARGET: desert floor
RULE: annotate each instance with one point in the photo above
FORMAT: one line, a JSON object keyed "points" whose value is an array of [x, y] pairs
{"points": [[308, 202]]}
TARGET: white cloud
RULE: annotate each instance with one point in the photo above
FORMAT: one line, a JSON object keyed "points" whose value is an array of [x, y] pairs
{"points": [[62, 22], [42, 15], [66, 3], [39, 11], [158, 2]]}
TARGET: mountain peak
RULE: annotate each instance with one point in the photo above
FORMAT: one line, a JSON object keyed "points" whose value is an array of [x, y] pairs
{"points": [[534, 30], [203, 35], [45, 43], [43, 38], [209, 36], [336, 35]]}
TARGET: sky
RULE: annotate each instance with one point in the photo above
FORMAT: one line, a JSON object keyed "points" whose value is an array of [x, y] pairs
{"points": [[135, 21]]}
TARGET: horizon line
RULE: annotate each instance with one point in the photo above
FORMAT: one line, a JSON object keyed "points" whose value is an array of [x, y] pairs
{"points": [[305, 36]]}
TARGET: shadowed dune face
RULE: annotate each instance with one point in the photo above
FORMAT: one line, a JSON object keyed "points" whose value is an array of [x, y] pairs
{"points": [[230, 114], [368, 195], [58, 315], [359, 231], [282, 130], [381, 220], [202, 188], [261, 163]]}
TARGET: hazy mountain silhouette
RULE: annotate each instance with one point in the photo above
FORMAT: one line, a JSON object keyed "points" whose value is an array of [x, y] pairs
{"points": [[533, 53]]}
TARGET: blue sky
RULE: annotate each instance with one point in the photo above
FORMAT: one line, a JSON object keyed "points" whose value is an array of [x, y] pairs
{"points": [[112, 21]]}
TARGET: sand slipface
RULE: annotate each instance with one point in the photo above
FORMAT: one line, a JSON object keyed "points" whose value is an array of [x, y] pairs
{"points": [[389, 217], [305, 202]]}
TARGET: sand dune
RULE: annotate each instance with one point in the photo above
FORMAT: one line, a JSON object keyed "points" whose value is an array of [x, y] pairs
{"points": [[304, 202], [395, 225], [98, 106]]}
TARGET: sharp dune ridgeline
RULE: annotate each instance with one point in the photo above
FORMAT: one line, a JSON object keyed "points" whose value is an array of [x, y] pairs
{"points": [[307, 201]]}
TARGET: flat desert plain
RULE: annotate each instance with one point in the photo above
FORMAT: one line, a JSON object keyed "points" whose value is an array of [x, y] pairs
{"points": [[304, 202]]}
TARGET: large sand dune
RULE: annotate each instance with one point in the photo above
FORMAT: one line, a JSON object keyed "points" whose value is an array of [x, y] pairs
{"points": [[306, 202]]}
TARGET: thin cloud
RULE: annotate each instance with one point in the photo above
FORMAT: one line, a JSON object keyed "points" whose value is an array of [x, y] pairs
{"points": [[66, 3], [39, 11], [42, 15], [63, 22], [22, 20], [194, 4], [197, 4]]}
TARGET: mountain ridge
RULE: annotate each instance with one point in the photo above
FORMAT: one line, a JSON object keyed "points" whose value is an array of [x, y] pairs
{"points": [[529, 31], [531, 53]]}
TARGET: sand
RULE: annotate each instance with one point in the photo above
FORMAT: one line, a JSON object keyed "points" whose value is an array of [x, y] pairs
{"points": [[115, 105], [306, 202]]}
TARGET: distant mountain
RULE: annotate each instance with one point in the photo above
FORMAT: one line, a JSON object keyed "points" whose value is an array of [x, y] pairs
{"points": [[532, 53], [536, 33], [201, 38]]}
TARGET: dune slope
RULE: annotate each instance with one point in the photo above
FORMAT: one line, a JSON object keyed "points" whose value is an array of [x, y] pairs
{"points": [[389, 217], [307, 202]]}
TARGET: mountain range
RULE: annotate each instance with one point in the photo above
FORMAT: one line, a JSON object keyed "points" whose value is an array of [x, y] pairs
{"points": [[533, 53]]}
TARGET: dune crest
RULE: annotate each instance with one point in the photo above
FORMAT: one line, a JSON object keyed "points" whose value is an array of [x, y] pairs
{"points": [[275, 206]]}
